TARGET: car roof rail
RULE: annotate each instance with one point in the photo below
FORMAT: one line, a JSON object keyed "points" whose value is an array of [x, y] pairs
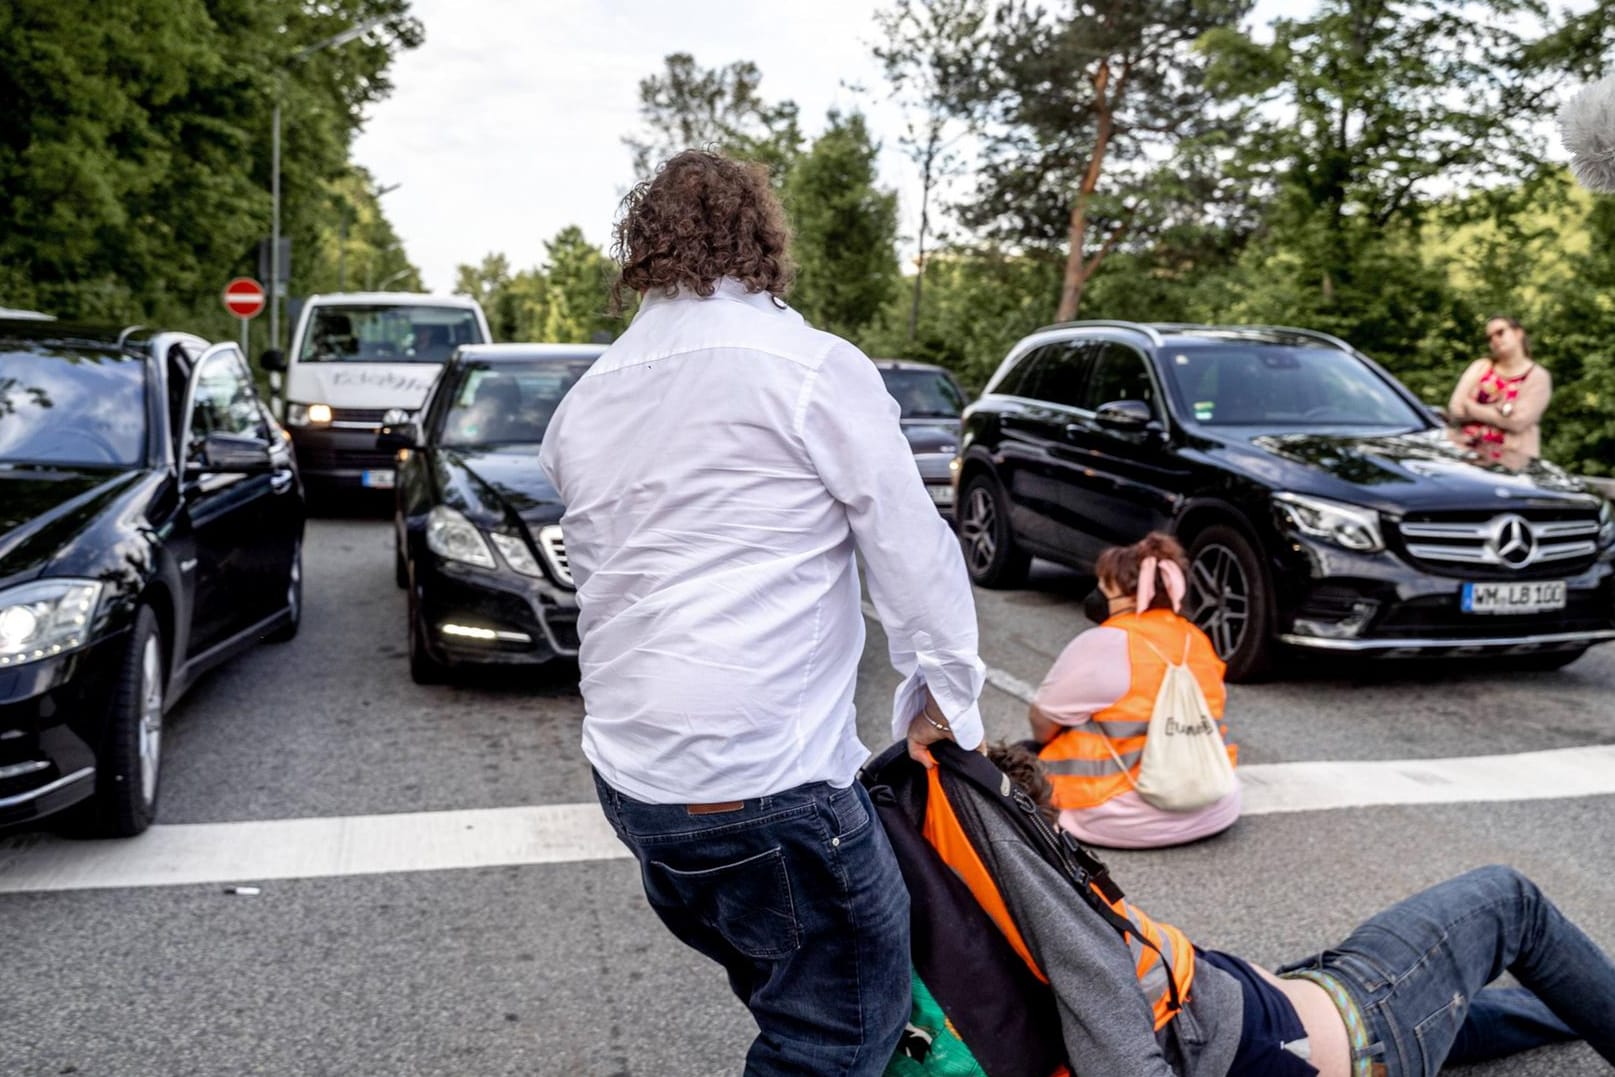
{"points": [[1149, 331], [1327, 338]]}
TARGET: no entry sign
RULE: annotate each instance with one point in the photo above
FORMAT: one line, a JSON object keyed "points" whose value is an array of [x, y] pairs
{"points": [[244, 297]]}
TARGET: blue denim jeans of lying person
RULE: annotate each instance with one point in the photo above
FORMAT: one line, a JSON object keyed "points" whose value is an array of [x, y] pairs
{"points": [[1418, 970], [798, 896]]}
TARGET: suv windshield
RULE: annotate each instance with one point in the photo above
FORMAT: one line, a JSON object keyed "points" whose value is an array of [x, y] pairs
{"points": [[75, 408], [1274, 385], [387, 333], [924, 394], [506, 403]]}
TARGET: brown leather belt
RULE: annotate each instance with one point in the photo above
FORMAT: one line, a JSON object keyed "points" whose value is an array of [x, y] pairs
{"points": [[715, 809]]}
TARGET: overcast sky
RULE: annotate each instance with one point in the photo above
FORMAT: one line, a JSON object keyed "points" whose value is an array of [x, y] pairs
{"points": [[507, 124]]}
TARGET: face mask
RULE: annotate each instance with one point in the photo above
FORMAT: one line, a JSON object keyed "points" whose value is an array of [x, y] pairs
{"points": [[1096, 607]]}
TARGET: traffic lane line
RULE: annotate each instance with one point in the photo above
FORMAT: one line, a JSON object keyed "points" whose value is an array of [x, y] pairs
{"points": [[196, 853]]}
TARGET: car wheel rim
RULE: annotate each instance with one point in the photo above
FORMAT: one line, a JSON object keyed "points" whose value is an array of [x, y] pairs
{"points": [[151, 718], [1219, 594], [978, 528]]}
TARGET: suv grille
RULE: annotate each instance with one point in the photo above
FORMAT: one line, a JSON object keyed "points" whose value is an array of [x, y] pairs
{"points": [[1507, 541], [554, 549]]}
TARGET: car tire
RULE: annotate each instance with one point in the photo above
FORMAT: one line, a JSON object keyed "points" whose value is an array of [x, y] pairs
{"points": [[992, 557], [400, 566], [1230, 600], [423, 668], [1544, 662], [129, 764], [294, 600]]}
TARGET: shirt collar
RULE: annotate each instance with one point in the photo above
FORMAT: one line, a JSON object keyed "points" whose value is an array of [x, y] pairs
{"points": [[726, 288]]}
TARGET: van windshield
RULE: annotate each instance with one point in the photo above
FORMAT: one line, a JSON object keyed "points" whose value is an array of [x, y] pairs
{"points": [[386, 333]]}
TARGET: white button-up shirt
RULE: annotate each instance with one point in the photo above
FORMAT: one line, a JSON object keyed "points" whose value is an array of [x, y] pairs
{"points": [[720, 464]]}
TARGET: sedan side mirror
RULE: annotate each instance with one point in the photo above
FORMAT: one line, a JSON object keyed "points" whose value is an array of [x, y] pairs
{"points": [[273, 360], [1125, 415], [233, 454], [399, 436]]}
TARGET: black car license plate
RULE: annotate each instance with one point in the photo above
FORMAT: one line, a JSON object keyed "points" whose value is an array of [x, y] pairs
{"points": [[1536, 597]]}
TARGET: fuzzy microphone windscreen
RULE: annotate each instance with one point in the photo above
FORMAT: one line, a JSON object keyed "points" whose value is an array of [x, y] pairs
{"points": [[1587, 126]]}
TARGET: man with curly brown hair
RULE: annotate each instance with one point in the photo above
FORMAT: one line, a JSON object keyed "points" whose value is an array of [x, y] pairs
{"points": [[722, 465]]}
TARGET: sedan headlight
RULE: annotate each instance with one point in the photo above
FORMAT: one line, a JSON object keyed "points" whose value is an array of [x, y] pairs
{"points": [[1350, 527], [516, 554], [454, 538], [45, 618], [1606, 525], [308, 414]]}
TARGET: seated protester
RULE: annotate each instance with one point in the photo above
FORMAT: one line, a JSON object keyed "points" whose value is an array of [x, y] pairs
{"points": [[1092, 713], [1403, 995]]}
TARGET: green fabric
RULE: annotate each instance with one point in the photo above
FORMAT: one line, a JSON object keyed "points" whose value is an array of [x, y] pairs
{"points": [[947, 1056]]}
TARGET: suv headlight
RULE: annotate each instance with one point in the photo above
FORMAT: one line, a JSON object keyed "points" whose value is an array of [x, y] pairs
{"points": [[1350, 527], [1606, 525], [454, 538], [308, 414], [516, 554], [45, 618]]}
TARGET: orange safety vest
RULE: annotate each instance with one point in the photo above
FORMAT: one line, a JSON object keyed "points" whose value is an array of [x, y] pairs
{"points": [[945, 834], [1081, 767]]}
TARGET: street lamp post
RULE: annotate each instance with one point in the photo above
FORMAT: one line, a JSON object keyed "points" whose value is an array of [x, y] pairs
{"points": [[275, 282], [342, 238]]}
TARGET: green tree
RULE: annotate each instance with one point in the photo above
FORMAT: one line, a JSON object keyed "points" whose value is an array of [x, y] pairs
{"points": [[845, 229], [561, 301], [686, 106], [1076, 108], [490, 285]]}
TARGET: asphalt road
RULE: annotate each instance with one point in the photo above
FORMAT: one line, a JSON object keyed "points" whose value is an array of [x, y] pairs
{"points": [[560, 968]]}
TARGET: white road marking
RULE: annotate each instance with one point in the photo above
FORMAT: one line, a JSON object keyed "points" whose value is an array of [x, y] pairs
{"points": [[311, 848], [219, 853]]}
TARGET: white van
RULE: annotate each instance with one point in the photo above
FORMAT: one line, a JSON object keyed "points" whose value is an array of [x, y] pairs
{"points": [[355, 357]]}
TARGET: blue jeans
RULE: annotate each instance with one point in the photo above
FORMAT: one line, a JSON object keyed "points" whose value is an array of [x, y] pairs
{"points": [[1418, 972], [798, 896]]}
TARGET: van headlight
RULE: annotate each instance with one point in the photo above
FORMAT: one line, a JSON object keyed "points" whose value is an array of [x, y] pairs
{"points": [[454, 538], [308, 414], [46, 618], [1350, 527]]}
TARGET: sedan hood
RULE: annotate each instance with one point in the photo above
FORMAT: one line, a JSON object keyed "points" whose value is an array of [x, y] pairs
{"points": [[495, 483], [932, 435], [1399, 472], [42, 510]]}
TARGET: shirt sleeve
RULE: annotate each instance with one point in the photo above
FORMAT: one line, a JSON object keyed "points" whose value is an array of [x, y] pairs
{"points": [[916, 573], [1092, 673]]}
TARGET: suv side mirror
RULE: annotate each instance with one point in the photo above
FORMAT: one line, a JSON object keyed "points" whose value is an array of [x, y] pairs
{"points": [[1125, 415], [233, 454], [273, 360], [404, 435]]}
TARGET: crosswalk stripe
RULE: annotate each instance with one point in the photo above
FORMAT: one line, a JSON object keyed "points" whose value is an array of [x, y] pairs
{"points": [[257, 851]]}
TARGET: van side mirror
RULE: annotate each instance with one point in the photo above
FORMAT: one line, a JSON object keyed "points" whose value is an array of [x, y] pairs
{"points": [[273, 360]]}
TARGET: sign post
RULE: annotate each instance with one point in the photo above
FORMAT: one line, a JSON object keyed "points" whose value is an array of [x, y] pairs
{"points": [[244, 297]]}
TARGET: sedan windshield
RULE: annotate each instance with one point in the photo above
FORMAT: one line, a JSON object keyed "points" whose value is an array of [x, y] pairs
{"points": [[1273, 385], [387, 333], [506, 403], [72, 408], [924, 394]]}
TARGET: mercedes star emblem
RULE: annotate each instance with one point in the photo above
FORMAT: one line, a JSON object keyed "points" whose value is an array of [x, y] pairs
{"points": [[1513, 541]]}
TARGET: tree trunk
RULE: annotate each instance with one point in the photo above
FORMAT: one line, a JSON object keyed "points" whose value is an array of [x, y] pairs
{"points": [[1077, 267], [919, 258]]}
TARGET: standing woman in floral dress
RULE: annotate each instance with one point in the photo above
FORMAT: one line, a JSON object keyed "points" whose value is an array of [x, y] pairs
{"points": [[1498, 404]]}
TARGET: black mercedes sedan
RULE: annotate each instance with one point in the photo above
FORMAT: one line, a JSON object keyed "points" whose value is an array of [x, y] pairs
{"points": [[929, 405], [1323, 506], [477, 524], [151, 525]]}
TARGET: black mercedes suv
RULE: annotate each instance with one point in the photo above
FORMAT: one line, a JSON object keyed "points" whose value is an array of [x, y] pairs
{"points": [[1322, 504]]}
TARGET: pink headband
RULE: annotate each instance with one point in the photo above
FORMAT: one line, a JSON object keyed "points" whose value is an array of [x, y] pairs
{"points": [[1176, 587]]}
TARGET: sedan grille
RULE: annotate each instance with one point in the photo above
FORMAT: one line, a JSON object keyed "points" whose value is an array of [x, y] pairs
{"points": [[1509, 541], [553, 547]]}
